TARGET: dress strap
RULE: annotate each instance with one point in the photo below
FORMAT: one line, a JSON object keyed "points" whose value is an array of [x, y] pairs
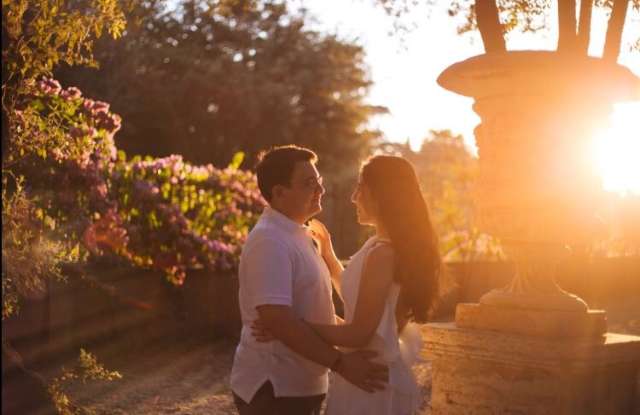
{"points": [[380, 241]]}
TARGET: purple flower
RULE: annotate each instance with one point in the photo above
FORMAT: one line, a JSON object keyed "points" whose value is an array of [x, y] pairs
{"points": [[79, 132], [108, 122], [87, 105], [101, 190], [49, 86], [113, 152], [57, 154], [100, 106], [71, 93], [83, 160], [217, 246], [145, 189]]}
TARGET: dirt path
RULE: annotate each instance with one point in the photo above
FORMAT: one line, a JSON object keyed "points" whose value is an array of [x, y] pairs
{"points": [[184, 378], [191, 376]]}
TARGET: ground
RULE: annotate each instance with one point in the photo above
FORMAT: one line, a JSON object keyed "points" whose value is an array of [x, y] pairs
{"points": [[187, 377]]}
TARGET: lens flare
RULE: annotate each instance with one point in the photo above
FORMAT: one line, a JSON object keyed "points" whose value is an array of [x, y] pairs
{"points": [[617, 151]]}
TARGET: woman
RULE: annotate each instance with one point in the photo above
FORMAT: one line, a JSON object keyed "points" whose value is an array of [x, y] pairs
{"points": [[392, 279]]}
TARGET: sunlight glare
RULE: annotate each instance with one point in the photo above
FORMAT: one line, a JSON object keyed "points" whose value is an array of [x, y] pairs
{"points": [[617, 150]]}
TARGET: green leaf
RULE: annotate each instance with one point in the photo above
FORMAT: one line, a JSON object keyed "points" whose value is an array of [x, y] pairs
{"points": [[50, 222], [75, 252], [237, 160]]}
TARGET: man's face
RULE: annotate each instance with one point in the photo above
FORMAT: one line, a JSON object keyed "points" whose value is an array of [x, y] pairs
{"points": [[302, 198]]}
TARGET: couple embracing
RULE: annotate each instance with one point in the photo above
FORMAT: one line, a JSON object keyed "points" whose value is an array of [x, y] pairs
{"points": [[291, 338]]}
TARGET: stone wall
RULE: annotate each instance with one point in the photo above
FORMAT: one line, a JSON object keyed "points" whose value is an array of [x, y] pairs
{"points": [[143, 305], [129, 302]]}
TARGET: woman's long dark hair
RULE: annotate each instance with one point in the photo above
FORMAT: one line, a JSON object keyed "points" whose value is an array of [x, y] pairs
{"points": [[403, 212]]}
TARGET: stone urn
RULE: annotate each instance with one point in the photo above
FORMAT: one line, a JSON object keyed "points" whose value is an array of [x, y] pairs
{"points": [[537, 189], [531, 347]]}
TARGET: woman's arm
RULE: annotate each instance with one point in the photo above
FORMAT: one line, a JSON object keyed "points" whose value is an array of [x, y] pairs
{"points": [[377, 276]]}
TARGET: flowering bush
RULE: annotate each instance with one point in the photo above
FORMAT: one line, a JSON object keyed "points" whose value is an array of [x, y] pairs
{"points": [[160, 213], [63, 148], [180, 216], [28, 255]]}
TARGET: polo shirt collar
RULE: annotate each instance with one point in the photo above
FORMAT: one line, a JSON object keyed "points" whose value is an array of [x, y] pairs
{"points": [[282, 221]]}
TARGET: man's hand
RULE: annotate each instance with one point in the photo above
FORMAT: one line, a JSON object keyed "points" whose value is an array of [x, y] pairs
{"points": [[260, 332], [357, 368]]}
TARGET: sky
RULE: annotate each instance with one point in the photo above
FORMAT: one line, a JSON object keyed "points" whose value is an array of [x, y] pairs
{"points": [[404, 72]]}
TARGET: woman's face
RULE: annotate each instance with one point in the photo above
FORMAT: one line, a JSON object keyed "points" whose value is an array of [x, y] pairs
{"points": [[365, 205]]}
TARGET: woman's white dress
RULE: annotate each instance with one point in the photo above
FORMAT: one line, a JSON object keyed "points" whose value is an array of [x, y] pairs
{"points": [[401, 396]]}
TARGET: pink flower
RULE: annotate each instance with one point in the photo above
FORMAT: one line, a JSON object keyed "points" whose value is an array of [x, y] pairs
{"points": [[111, 123], [76, 132], [49, 86], [145, 189], [101, 190], [89, 239], [71, 93], [100, 106], [57, 154], [87, 106]]}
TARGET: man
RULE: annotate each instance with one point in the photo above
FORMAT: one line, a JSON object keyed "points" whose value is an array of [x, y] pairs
{"points": [[283, 281]]}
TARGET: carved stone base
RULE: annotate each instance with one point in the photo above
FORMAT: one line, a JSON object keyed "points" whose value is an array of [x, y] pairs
{"points": [[531, 322], [490, 373]]}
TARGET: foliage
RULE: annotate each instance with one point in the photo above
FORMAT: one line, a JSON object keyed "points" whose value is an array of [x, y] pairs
{"points": [[233, 79], [29, 257], [38, 35], [86, 369], [519, 15], [61, 149], [66, 193], [237, 76], [447, 172], [161, 213], [179, 216]]}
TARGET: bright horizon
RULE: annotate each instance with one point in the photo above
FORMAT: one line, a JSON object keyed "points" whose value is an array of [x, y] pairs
{"points": [[404, 77]]}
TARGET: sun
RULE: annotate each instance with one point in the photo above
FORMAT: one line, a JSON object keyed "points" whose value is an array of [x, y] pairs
{"points": [[617, 150]]}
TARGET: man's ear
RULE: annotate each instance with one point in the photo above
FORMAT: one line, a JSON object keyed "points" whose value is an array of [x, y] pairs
{"points": [[277, 191]]}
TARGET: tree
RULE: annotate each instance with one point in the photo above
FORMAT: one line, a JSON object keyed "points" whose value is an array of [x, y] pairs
{"points": [[495, 18], [447, 171], [209, 79], [37, 35], [207, 82]]}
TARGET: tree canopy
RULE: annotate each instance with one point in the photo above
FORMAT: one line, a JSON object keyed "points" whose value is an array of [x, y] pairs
{"points": [[206, 82], [495, 18]]}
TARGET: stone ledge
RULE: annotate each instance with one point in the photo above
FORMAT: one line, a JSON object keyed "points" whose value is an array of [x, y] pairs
{"points": [[537, 323], [483, 372], [447, 339]]}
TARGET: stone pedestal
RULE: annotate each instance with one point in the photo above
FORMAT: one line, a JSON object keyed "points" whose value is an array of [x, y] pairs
{"points": [[531, 347], [532, 322], [491, 373]]}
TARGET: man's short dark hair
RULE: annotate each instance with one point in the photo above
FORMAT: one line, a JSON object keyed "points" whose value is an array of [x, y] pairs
{"points": [[276, 166]]}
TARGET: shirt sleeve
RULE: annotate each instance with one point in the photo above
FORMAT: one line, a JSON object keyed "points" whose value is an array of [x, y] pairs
{"points": [[270, 273]]}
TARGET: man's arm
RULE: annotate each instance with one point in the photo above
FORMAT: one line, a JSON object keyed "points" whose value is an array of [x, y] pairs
{"points": [[269, 271], [355, 367], [295, 334]]}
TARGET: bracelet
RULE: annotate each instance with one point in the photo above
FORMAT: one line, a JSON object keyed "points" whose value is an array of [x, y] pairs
{"points": [[337, 362]]}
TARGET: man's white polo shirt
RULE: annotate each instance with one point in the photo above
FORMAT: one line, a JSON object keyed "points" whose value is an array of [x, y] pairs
{"points": [[279, 265]]}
